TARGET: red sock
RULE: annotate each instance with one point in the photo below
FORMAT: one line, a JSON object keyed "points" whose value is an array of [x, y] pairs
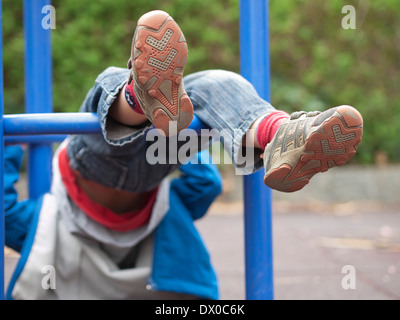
{"points": [[131, 98], [269, 126]]}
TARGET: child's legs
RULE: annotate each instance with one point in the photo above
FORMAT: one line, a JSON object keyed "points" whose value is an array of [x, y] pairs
{"points": [[222, 100], [227, 102]]}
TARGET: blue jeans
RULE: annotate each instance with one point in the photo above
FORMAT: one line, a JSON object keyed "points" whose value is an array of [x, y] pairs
{"points": [[223, 100]]}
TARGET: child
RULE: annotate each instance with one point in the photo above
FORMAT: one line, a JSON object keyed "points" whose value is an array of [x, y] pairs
{"points": [[164, 258], [112, 222]]}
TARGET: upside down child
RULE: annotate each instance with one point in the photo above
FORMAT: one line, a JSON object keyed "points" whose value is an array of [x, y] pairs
{"points": [[114, 226]]}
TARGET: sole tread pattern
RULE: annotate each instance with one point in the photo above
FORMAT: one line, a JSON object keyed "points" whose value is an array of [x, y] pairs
{"points": [[331, 144], [160, 58]]}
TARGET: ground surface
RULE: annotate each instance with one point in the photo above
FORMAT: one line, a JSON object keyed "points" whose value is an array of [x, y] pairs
{"points": [[310, 250], [347, 216]]}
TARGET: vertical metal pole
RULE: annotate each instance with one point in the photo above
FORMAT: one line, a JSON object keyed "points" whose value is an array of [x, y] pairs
{"points": [[2, 229], [38, 90], [255, 67]]}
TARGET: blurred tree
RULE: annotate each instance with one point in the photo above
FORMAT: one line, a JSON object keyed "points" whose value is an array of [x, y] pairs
{"points": [[315, 63]]}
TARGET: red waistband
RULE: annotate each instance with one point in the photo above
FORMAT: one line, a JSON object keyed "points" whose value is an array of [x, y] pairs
{"points": [[104, 216]]}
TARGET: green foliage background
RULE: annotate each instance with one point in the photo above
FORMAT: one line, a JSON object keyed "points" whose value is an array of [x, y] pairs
{"points": [[315, 63]]}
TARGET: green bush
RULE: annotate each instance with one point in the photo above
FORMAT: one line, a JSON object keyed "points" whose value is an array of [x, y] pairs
{"points": [[315, 63]]}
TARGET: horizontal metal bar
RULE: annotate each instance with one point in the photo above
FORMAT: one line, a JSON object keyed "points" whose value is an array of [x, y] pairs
{"points": [[35, 139], [56, 124], [51, 123]]}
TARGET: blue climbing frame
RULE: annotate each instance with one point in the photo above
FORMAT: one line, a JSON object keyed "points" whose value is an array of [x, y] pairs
{"points": [[39, 127]]}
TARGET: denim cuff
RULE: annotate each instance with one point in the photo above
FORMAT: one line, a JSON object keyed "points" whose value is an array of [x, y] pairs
{"points": [[111, 81], [247, 160]]}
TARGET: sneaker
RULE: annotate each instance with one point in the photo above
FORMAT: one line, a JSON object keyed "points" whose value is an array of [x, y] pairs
{"points": [[309, 143], [158, 57]]}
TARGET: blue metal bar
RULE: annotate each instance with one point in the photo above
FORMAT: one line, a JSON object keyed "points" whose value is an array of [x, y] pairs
{"points": [[51, 123], [38, 90], [2, 229], [40, 139], [255, 67], [61, 123]]}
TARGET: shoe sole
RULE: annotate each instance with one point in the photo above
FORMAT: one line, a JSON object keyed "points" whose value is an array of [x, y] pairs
{"points": [[331, 144], [159, 58]]}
